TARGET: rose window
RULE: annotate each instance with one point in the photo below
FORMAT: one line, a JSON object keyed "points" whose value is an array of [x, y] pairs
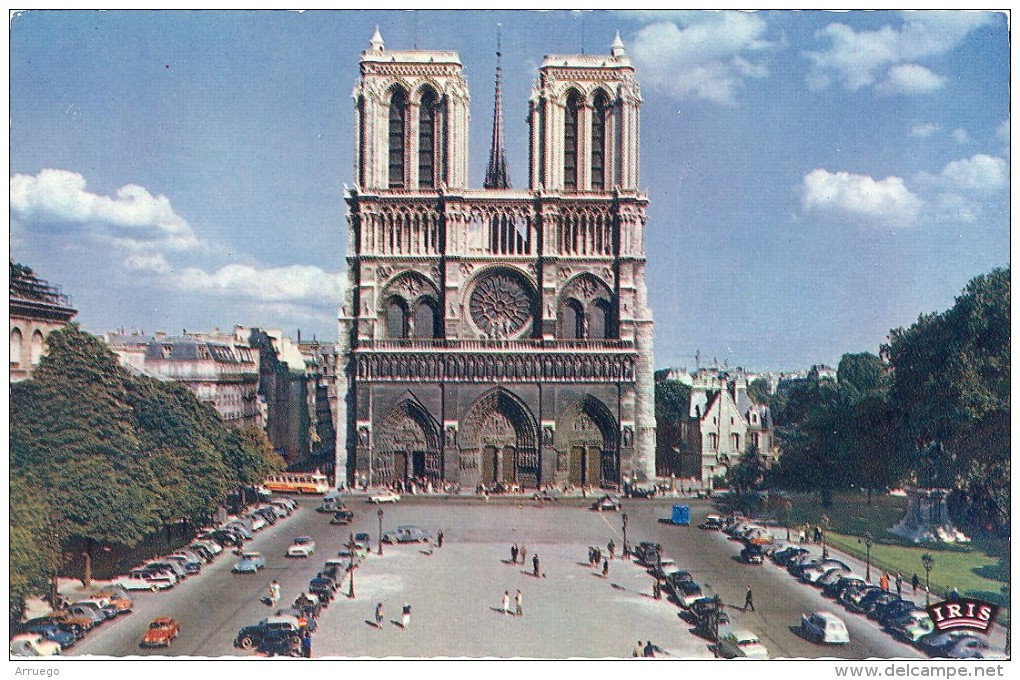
{"points": [[500, 305]]}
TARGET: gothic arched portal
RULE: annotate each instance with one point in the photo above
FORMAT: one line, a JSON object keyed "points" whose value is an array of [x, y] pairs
{"points": [[587, 444], [407, 444], [501, 435]]}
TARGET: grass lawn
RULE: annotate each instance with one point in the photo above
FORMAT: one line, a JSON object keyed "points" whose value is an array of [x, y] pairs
{"points": [[978, 569]]}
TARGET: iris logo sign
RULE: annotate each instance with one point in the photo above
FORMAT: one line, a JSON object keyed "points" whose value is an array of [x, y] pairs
{"points": [[963, 613]]}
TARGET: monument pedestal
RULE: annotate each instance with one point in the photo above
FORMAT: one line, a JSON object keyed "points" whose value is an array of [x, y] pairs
{"points": [[927, 518]]}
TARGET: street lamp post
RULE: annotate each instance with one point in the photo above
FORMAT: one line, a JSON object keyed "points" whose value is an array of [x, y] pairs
{"points": [[928, 562], [626, 546], [350, 591], [380, 515], [869, 540]]}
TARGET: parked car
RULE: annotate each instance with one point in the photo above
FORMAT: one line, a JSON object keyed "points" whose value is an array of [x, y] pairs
{"points": [[638, 491], [546, 495], [954, 644], [279, 642], [712, 523], [240, 529], [607, 502], [851, 597], [873, 601], [331, 505], [887, 611], [101, 606], [677, 577], [739, 642], [686, 592], [303, 546], [33, 644], [192, 565], [362, 543], [752, 554], [161, 632], [662, 569], [267, 514], [705, 626], [835, 589], [825, 628], [53, 631], [118, 597], [788, 554], [205, 550], [831, 576], [168, 565], [251, 636], [307, 604], [342, 517], [147, 579], [407, 534], [911, 627], [284, 509], [384, 497], [816, 571], [79, 625], [82, 612], [250, 563]]}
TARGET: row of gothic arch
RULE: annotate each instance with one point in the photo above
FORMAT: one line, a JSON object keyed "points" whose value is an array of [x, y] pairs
{"points": [[498, 440], [501, 302]]}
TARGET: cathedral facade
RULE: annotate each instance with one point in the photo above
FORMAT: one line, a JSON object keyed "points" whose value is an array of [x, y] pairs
{"points": [[496, 335]]}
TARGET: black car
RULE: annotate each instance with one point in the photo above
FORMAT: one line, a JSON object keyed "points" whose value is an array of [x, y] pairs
{"points": [[891, 610], [752, 554], [700, 610], [870, 600], [786, 555], [280, 642], [342, 517], [322, 582], [676, 578], [252, 636], [836, 588], [852, 596], [325, 595]]}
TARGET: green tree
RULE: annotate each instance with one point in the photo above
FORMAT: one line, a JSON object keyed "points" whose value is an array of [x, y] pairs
{"points": [[951, 387], [759, 391], [672, 401]]}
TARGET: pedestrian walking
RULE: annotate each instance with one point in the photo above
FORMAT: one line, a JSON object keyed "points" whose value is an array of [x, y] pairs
{"points": [[439, 539], [274, 593], [379, 615], [591, 556], [405, 617], [899, 585], [915, 582], [612, 549], [518, 603], [883, 582], [524, 553], [598, 555], [605, 568], [749, 599], [657, 590], [534, 563], [306, 645], [513, 553], [639, 650], [506, 601], [649, 650]]}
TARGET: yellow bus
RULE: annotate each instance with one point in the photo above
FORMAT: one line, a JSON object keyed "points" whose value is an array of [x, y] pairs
{"points": [[297, 482]]}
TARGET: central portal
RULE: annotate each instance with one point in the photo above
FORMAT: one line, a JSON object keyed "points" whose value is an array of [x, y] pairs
{"points": [[503, 432]]}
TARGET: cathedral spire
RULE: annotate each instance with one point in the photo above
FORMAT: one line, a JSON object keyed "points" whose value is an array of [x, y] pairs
{"points": [[496, 176]]}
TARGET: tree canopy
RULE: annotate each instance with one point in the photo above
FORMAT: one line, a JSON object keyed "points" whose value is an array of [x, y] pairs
{"points": [[101, 456]]}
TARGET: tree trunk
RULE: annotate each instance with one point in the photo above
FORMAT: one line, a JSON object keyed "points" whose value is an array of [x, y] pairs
{"points": [[87, 554]]}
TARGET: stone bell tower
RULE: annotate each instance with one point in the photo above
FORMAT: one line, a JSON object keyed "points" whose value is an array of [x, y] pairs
{"points": [[494, 336]]}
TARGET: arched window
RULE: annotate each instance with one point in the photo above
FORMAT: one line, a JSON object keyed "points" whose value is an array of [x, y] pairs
{"points": [[427, 140], [602, 326], [570, 142], [16, 347], [398, 113], [396, 319], [425, 320], [37, 347], [598, 142], [572, 323]]}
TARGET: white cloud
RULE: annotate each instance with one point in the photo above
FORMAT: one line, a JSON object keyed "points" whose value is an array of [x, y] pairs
{"points": [[1002, 132], [702, 55], [960, 136], [295, 283], [842, 194], [889, 55], [924, 130], [133, 216], [981, 172], [910, 79]]}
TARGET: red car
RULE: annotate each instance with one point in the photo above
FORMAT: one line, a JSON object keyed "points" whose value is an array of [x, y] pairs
{"points": [[161, 632]]}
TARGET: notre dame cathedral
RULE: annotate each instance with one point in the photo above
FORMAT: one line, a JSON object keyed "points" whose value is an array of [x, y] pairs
{"points": [[496, 334]]}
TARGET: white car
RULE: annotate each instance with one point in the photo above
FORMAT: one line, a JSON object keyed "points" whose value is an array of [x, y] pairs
{"points": [[384, 497], [303, 546], [33, 644], [741, 643], [146, 579], [812, 574], [825, 628]]}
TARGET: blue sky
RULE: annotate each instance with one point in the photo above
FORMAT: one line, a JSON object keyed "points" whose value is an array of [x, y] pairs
{"points": [[816, 179]]}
